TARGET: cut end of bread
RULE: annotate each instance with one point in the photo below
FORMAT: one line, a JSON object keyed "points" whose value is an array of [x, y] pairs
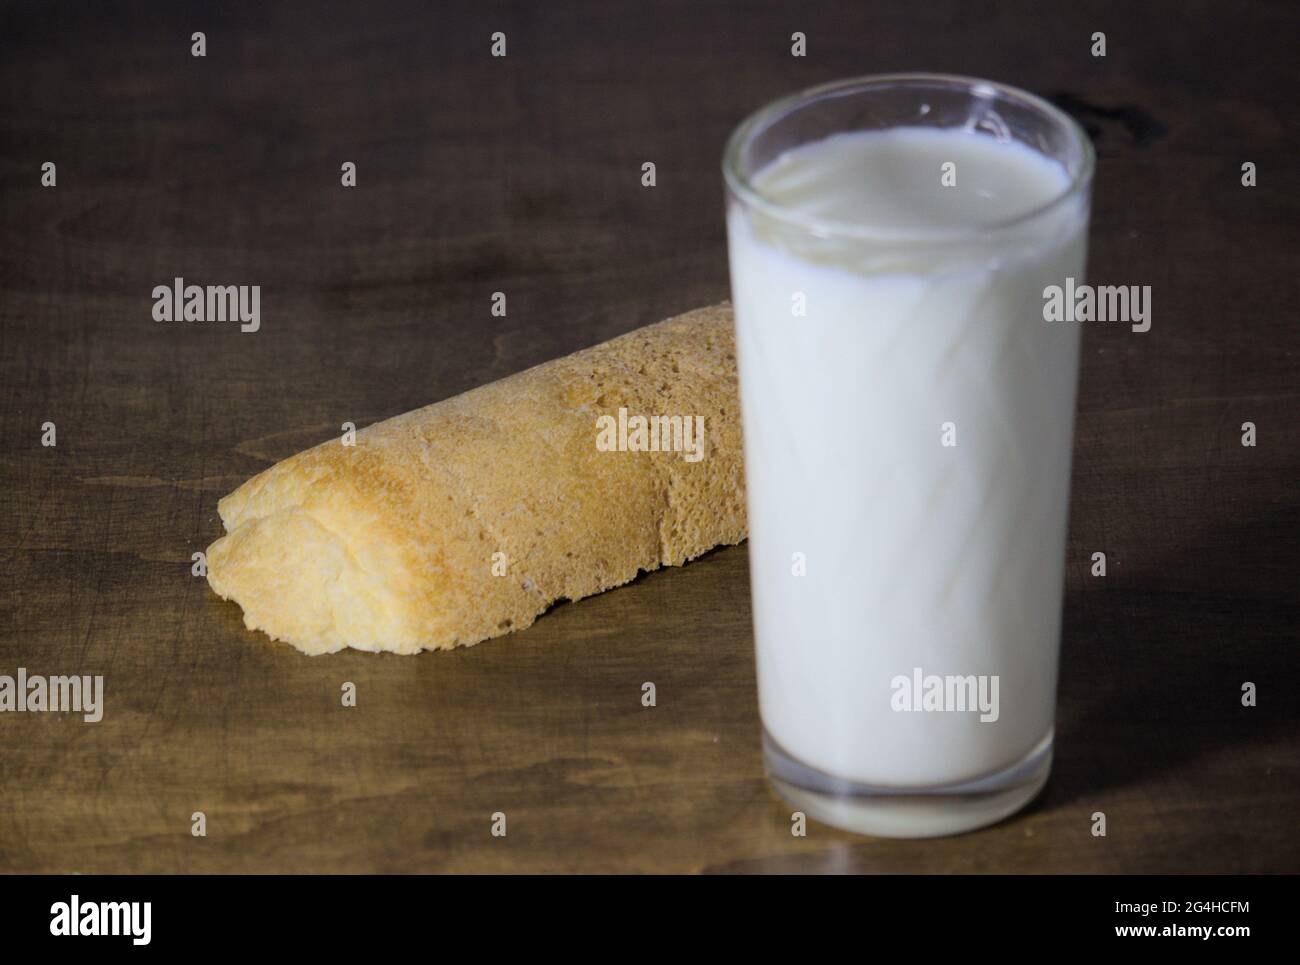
{"points": [[298, 580], [295, 582]]}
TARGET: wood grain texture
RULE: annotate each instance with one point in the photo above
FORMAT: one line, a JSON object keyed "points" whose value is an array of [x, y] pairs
{"points": [[522, 175]]}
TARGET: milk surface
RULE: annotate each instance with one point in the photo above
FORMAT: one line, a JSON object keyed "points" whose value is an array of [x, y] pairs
{"points": [[915, 554]]}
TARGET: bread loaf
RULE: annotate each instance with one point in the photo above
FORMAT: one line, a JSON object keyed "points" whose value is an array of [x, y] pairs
{"points": [[466, 519]]}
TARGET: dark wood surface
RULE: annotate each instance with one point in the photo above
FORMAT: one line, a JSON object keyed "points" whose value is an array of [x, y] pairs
{"points": [[522, 175]]}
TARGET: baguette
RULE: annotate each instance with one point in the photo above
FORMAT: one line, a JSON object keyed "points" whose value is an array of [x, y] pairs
{"points": [[468, 518]]}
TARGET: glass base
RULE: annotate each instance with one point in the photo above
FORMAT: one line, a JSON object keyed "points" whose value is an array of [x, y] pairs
{"points": [[892, 812]]}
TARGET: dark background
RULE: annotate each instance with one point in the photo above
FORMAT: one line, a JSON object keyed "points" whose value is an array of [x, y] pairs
{"points": [[522, 175]]}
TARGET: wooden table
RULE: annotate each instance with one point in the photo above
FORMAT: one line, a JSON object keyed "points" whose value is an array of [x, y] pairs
{"points": [[478, 174]]}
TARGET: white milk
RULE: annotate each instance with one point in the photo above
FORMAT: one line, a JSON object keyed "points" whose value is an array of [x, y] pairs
{"points": [[949, 559]]}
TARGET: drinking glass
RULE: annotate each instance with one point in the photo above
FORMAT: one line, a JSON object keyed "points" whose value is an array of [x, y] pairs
{"points": [[908, 418]]}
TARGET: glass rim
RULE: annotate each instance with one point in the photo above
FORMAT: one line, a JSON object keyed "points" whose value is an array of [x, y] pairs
{"points": [[741, 185]]}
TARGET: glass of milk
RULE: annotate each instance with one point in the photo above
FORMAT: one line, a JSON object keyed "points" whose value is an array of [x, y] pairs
{"points": [[908, 417]]}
